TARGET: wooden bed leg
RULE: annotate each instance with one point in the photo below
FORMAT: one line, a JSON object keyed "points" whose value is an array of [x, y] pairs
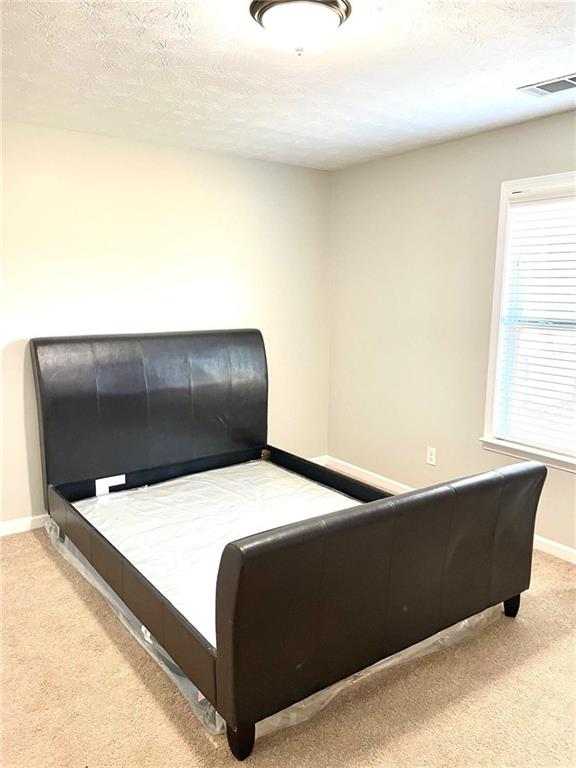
{"points": [[241, 739], [511, 606]]}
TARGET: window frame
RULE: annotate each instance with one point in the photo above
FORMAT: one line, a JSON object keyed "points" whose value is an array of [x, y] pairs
{"points": [[489, 441]]}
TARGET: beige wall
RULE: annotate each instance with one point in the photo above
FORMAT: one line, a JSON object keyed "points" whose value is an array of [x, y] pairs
{"points": [[106, 235], [413, 244]]}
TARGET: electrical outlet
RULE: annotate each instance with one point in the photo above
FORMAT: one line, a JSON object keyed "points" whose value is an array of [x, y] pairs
{"points": [[431, 456]]}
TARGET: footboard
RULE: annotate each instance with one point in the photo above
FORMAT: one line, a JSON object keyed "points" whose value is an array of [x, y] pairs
{"points": [[303, 606]]}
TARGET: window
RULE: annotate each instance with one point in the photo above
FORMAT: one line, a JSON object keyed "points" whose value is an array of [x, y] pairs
{"points": [[531, 401]]}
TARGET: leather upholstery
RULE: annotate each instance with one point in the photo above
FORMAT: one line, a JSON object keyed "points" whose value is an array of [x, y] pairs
{"points": [[303, 606], [298, 607], [118, 404]]}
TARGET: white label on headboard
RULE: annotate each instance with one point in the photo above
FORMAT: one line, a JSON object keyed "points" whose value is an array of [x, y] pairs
{"points": [[103, 484]]}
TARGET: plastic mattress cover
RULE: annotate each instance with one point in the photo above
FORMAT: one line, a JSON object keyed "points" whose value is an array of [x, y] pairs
{"points": [[303, 710], [174, 532]]}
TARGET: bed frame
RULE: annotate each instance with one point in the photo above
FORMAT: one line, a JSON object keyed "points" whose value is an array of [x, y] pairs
{"points": [[299, 607]]}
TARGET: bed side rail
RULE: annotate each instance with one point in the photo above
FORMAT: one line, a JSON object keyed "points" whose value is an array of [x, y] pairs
{"points": [[303, 606], [186, 646]]}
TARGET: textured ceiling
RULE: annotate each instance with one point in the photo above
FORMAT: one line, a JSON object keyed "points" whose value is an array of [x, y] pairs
{"points": [[203, 74]]}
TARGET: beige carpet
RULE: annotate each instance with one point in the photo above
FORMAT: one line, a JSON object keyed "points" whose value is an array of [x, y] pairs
{"points": [[79, 692]]}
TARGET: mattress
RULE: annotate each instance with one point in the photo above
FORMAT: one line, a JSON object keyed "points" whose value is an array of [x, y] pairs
{"points": [[174, 532]]}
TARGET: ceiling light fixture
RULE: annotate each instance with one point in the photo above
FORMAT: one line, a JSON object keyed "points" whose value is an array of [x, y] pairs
{"points": [[301, 25]]}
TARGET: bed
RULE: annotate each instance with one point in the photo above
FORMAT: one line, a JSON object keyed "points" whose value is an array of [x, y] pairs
{"points": [[264, 576]]}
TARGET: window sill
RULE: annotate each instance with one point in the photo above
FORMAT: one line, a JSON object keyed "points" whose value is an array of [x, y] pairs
{"points": [[553, 460]]}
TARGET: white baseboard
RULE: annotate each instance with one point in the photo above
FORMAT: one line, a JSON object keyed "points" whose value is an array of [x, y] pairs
{"points": [[22, 524], [554, 548], [321, 460], [542, 544]]}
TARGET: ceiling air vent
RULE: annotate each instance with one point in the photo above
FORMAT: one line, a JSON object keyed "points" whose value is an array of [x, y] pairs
{"points": [[548, 87]]}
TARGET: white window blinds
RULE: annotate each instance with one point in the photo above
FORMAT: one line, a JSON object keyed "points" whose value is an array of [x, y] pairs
{"points": [[534, 398]]}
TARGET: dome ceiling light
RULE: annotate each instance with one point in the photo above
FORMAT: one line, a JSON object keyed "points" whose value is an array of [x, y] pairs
{"points": [[301, 25]]}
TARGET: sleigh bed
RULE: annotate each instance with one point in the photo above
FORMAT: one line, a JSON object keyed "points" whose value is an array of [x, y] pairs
{"points": [[264, 576]]}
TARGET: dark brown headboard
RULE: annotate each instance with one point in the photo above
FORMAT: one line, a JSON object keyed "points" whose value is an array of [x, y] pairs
{"points": [[123, 404]]}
